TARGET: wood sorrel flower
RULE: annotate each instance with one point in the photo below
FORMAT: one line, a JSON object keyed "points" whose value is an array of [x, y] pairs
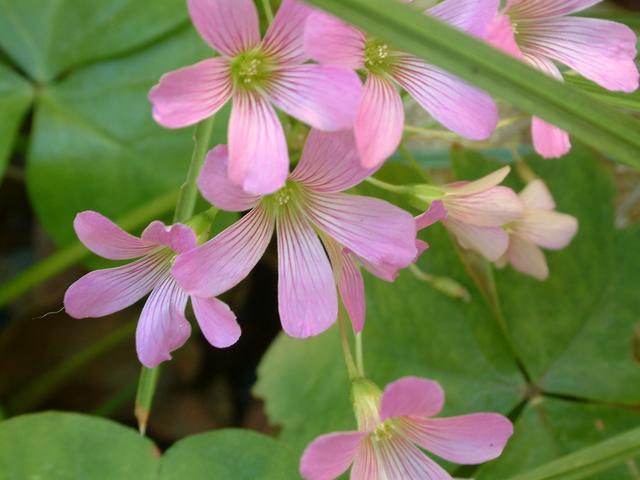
{"points": [[477, 212], [380, 121], [540, 33], [309, 210], [162, 327], [540, 226], [391, 426], [255, 73]]}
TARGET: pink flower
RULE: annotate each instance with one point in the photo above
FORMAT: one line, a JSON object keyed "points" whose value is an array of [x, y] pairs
{"points": [[306, 213], [162, 327], [391, 427], [539, 226], [540, 33], [477, 212], [380, 120], [255, 73]]}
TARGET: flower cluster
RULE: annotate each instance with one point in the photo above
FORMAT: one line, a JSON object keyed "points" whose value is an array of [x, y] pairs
{"points": [[343, 83]]}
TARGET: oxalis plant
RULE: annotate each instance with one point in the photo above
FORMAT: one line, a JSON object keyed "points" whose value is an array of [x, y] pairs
{"points": [[435, 179]]}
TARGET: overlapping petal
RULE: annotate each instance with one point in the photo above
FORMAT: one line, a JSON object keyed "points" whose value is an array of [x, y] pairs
{"points": [[365, 464], [105, 238], [549, 141], [217, 321], [178, 237], [490, 208], [547, 229], [284, 39], [216, 187], [229, 26], [400, 459], [457, 105], [258, 156], [307, 298], [481, 184], [527, 258], [190, 94], [490, 242], [162, 327], [224, 261], [329, 456], [471, 16], [411, 396], [543, 9], [537, 195], [331, 41], [436, 213], [380, 121], [501, 34], [323, 96]]}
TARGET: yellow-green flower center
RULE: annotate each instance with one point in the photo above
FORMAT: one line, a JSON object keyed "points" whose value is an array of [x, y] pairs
{"points": [[250, 69], [378, 57]]}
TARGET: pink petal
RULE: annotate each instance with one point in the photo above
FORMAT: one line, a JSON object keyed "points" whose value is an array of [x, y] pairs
{"points": [[162, 327], [258, 155], [601, 50], [179, 238], [490, 242], [547, 229], [538, 9], [411, 396], [285, 38], [105, 238], [399, 459], [480, 185], [372, 229], [455, 104], [216, 187], [471, 16], [435, 214], [322, 96], [330, 162], [217, 321], [329, 456], [490, 208], [365, 463], [527, 258], [386, 271], [331, 41], [549, 141], [380, 121], [537, 195], [225, 260], [191, 94], [307, 298], [104, 292], [467, 439], [501, 35], [229, 26]]}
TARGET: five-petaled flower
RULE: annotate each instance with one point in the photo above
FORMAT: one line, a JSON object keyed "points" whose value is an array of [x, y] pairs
{"points": [[380, 119], [254, 73], [162, 327], [309, 211], [393, 424], [540, 33]]}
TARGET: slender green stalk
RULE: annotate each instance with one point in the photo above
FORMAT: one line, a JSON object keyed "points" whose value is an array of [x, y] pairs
{"points": [[388, 186], [359, 355], [588, 461], [268, 11], [69, 256], [184, 211], [344, 339], [38, 391]]}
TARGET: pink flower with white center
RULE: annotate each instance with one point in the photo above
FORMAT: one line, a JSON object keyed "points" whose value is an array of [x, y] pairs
{"points": [[308, 211], [540, 226], [380, 120], [477, 212], [391, 427], [162, 327], [540, 33], [255, 73]]}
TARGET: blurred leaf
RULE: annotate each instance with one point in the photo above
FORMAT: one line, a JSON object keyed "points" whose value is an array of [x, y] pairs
{"points": [[95, 145], [229, 454], [15, 98], [64, 446], [629, 101], [46, 38]]}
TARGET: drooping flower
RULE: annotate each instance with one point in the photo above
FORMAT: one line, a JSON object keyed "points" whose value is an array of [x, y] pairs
{"points": [[309, 211], [162, 327], [391, 427], [540, 33], [255, 73], [477, 212], [380, 120], [540, 226]]}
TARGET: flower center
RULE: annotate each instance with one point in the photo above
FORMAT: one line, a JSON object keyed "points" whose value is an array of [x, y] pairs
{"points": [[384, 431], [250, 69], [282, 196], [377, 55]]}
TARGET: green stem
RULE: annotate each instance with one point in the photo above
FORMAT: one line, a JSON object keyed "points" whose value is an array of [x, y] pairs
{"points": [[359, 355], [268, 11], [389, 187], [184, 211], [344, 339]]}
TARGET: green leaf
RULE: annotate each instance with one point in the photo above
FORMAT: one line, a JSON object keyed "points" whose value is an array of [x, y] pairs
{"points": [[95, 145], [15, 98], [62, 446], [629, 101], [502, 76], [48, 38], [232, 454]]}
